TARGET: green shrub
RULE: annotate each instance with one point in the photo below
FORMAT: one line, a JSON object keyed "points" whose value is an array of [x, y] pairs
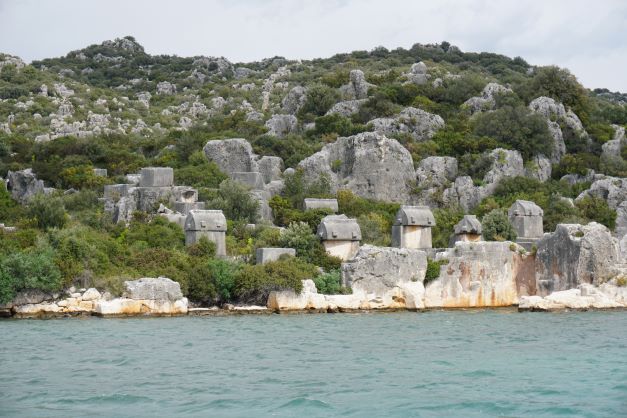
{"points": [[29, 270], [298, 235], [445, 221], [157, 232], [376, 229], [496, 227], [596, 209], [331, 283], [213, 281], [47, 211], [236, 202], [433, 270], [253, 284], [319, 100], [202, 249]]}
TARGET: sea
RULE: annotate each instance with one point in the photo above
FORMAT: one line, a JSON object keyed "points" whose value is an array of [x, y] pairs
{"points": [[462, 363]]}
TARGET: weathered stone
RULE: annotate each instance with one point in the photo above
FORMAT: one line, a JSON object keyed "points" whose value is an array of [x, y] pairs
{"points": [[481, 274], [357, 87], [156, 177], [24, 185], [574, 254], [368, 164], [417, 123], [585, 296], [160, 288], [294, 100], [438, 171], [526, 218], [340, 236], [206, 223], [331, 204], [611, 189], [487, 100], [539, 168], [346, 108], [91, 294], [166, 88], [412, 227], [231, 155], [505, 163], [270, 168], [418, 73], [469, 229], [134, 307], [281, 125], [384, 273], [307, 299], [252, 179], [31, 297], [266, 255]]}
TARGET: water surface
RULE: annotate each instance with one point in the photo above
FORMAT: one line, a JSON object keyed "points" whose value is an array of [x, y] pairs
{"points": [[434, 364]]}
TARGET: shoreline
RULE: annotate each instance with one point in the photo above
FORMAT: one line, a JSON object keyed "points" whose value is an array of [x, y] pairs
{"points": [[245, 311]]}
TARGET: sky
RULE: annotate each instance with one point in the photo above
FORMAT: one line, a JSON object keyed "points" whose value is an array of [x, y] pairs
{"points": [[587, 37]]}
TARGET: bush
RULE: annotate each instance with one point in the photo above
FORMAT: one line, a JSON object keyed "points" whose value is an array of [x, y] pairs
{"points": [[331, 283], [319, 100], [299, 236], [433, 270], [155, 233], [253, 284], [29, 270], [445, 221], [517, 128], [47, 211], [236, 202], [376, 229], [496, 227], [202, 249], [596, 209], [213, 281]]}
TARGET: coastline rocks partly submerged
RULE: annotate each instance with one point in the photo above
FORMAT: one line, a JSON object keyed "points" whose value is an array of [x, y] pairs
{"points": [[584, 297]]}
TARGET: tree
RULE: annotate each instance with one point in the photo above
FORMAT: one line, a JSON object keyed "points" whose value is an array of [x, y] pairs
{"points": [[236, 202], [47, 211]]}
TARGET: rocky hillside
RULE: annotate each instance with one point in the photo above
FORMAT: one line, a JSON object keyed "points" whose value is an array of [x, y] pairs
{"points": [[461, 132]]}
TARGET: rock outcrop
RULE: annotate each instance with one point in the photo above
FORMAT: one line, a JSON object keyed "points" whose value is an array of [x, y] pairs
{"points": [[23, 185], [584, 297], [481, 274], [294, 100], [281, 125], [417, 123], [418, 73], [573, 255], [357, 87], [231, 155], [346, 108], [487, 100], [611, 189], [369, 164]]}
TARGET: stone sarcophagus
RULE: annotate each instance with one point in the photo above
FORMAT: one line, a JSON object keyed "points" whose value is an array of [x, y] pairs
{"points": [[467, 230], [340, 236], [526, 218], [206, 223], [312, 204], [412, 227]]}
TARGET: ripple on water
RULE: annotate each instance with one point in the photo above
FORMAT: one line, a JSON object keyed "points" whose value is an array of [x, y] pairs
{"points": [[442, 363]]}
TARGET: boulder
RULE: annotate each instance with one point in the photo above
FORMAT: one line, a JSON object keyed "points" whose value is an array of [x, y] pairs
{"points": [[134, 307], [346, 108], [357, 87], [31, 297], [384, 275], [505, 163], [584, 297], [271, 168], [574, 254], [288, 300], [417, 123], [23, 185], [418, 73], [162, 289], [231, 155], [486, 101], [294, 100], [539, 168], [91, 294], [266, 255], [612, 189], [464, 193], [481, 274], [436, 171], [281, 125], [166, 88], [369, 164]]}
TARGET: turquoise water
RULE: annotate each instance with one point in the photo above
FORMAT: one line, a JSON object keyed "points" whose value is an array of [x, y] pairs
{"points": [[434, 364]]}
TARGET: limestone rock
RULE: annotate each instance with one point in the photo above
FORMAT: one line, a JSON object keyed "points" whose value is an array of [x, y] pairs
{"points": [[231, 155], [271, 168], [380, 272], [31, 297], [357, 87], [505, 163], [11, 60], [294, 100], [436, 171], [160, 288], [23, 185], [369, 164], [487, 100], [585, 296], [417, 123], [480, 274], [91, 294], [166, 88], [288, 300], [346, 108], [281, 125], [134, 307], [612, 189], [418, 73], [574, 254], [539, 168]]}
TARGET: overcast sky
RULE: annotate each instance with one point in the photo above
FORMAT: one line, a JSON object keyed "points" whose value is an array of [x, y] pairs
{"points": [[587, 36]]}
